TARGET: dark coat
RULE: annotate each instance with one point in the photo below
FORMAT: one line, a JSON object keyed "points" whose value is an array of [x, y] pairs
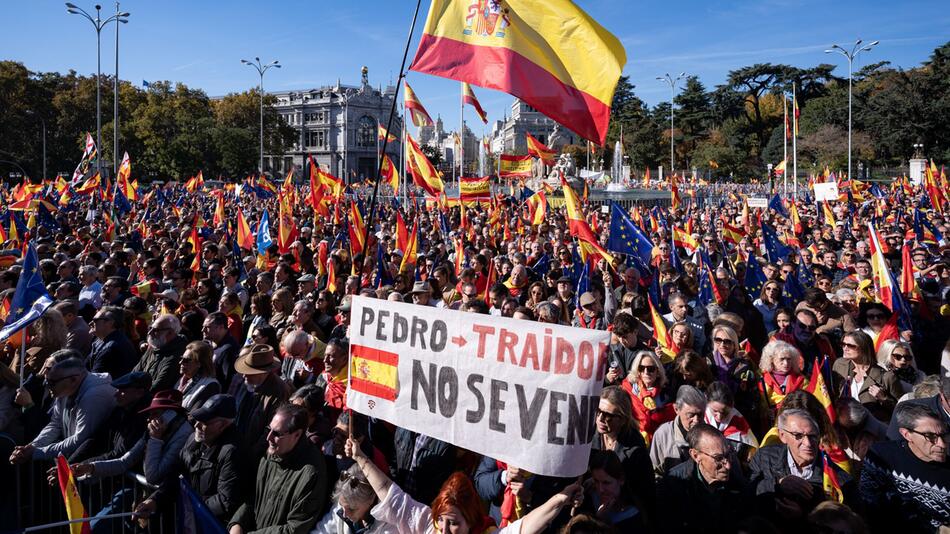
{"points": [[716, 508], [224, 355], [435, 461], [289, 493], [114, 355], [163, 364], [843, 371], [635, 457], [212, 471], [488, 484], [254, 413]]}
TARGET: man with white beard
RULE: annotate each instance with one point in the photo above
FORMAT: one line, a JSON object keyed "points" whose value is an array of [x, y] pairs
{"points": [[165, 348]]}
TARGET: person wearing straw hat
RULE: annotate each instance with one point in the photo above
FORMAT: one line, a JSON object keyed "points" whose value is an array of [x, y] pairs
{"points": [[262, 392]]}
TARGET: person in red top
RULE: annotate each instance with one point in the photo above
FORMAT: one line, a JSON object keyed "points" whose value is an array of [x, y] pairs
{"points": [[644, 384], [333, 378], [230, 305], [781, 367]]}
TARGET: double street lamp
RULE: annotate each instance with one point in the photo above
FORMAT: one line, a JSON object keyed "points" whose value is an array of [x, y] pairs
{"points": [[98, 24], [672, 82], [261, 69], [855, 50]]}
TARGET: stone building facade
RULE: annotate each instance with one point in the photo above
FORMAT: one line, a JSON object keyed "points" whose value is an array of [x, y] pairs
{"points": [[337, 125]]}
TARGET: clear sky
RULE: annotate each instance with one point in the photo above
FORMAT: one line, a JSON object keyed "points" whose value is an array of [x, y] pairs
{"points": [[201, 42]]}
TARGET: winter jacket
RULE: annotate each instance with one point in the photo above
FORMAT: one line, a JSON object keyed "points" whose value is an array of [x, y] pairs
{"points": [[421, 473], [114, 355], [161, 455], [716, 508], [163, 364], [288, 495]]}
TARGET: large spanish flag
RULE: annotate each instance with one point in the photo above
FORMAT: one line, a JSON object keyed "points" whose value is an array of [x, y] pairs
{"points": [[374, 372], [552, 55], [471, 188]]}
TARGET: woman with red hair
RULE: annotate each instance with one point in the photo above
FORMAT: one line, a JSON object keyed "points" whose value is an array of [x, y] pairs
{"points": [[457, 508]]}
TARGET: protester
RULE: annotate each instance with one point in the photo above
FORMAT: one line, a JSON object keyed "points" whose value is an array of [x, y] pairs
{"points": [[165, 349], [197, 383], [669, 447]]}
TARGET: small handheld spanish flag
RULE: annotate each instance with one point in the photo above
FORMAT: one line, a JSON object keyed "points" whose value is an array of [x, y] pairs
{"points": [[74, 506], [829, 481]]}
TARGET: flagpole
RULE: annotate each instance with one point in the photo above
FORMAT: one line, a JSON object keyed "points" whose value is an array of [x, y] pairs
{"points": [[794, 143], [402, 154], [392, 113], [785, 144], [461, 138]]}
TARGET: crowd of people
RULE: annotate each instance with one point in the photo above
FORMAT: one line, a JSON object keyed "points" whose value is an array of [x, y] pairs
{"points": [[753, 386]]}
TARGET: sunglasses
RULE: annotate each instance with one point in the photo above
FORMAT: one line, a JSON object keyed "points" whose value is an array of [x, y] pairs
{"points": [[799, 436], [902, 357], [723, 341], [647, 368], [849, 345], [606, 415], [277, 433], [50, 382], [932, 437]]}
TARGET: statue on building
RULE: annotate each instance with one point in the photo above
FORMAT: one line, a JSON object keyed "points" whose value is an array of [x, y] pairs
{"points": [[557, 138]]}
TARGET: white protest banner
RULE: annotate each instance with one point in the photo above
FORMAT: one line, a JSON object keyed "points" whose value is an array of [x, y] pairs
{"points": [[826, 191], [758, 202], [521, 392]]}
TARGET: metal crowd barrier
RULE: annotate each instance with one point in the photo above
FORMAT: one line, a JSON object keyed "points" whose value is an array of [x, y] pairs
{"points": [[38, 506]]}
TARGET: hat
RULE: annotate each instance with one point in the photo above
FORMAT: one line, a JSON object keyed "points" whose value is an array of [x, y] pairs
{"points": [[256, 360], [421, 287], [565, 280], [346, 304], [135, 379], [587, 298], [220, 405], [169, 399], [169, 294], [306, 278]]}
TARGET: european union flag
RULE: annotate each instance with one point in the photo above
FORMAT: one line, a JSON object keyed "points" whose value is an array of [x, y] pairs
{"points": [[264, 240], [805, 276], [542, 266], [754, 278], [793, 291], [382, 273], [627, 238], [775, 250], [30, 300], [194, 517], [121, 203], [45, 219], [526, 193], [583, 285], [777, 205], [706, 295]]}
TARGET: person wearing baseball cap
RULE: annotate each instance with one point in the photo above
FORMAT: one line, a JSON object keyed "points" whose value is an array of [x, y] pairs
{"points": [[209, 462]]}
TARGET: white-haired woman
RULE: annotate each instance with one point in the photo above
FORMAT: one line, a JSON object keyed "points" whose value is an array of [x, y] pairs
{"points": [[897, 358], [352, 510], [781, 366], [645, 384]]}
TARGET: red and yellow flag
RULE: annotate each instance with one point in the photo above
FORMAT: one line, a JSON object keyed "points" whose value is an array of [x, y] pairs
{"points": [[122, 181], [514, 166], [552, 55], [390, 174], [286, 229], [382, 134], [660, 333], [468, 97], [410, 253], [472, 188], [577, 223], [245, 237], [423, 172], [817, 387], [540, 150], [74, 506], [357, 230], [420, 117], [374, 372]]}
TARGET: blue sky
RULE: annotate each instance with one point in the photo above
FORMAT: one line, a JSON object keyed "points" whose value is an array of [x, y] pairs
{"points": [[201, 43]]}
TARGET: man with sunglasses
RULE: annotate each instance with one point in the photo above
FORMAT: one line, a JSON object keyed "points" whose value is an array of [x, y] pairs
{"points": [[787, 478], [83, 402], [802, 334], [905, 484], [291, 484]]}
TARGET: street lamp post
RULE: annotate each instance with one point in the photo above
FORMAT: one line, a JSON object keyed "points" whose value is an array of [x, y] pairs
{"points": [[855, 50], [98, 24], [261, 69], [123, 18], [672, 81]]}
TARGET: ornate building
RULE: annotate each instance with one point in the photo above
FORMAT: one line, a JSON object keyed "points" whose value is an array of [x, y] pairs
{"points": [[337, 125], [443, 141]]}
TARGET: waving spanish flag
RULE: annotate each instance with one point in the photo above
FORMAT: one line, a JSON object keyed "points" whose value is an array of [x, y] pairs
{"points": [[468, 97], [420, 117], [423, 172], [382, 134], [74, 506], [552, 55], [578, 226], [540, 150], [390, 174], [660, 332]]}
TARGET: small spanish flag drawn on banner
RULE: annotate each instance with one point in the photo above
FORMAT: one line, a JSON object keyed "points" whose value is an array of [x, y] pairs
{"points": [[374, 372], [74, 507]]}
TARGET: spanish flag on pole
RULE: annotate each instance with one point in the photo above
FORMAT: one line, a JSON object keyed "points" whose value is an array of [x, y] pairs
{"points": [[390, 174], [420, 117], [74, 506], [468, 97], [382, 134], [423, 172], [552, 55], [578, 226], [540, 150]]}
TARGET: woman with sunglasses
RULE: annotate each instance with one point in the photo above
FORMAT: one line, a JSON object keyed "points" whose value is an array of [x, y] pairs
{"points": [[857, 375], [353, 511], [872, 317], [732, 367], [768, 303], [897, 358], [649, 402], [198, 382]]}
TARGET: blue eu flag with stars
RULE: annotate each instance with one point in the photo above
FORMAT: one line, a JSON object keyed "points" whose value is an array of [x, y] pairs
{"points": [[754, 278], [627, 238]]}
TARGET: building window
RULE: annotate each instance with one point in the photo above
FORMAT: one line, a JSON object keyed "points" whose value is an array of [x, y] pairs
{"points": [[366, 135], [316, 138]]}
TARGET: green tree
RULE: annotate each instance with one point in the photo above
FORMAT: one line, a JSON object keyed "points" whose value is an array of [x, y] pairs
{"points": [[693, 118]]}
